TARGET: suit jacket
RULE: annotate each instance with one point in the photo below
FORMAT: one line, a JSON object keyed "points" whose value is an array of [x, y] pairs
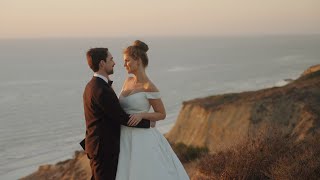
{"points": [[104, 116]]}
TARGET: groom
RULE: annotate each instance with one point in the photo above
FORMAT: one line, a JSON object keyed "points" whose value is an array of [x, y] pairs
{"points": [[104, 116]]}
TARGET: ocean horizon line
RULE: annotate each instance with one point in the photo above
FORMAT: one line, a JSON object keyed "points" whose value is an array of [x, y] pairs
{"points": [[253, 35]]}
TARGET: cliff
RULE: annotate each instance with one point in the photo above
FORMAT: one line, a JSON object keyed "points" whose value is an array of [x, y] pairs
{"points": [[221, 121]]}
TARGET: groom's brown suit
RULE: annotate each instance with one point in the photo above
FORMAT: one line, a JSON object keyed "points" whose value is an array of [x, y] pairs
{"points": [[104, 116]]}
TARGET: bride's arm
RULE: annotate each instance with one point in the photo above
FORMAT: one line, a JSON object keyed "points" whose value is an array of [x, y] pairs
{"points": [[159, 111]]}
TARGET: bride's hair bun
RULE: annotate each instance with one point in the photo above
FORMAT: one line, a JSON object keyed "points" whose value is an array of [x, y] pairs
{"points": [[141, 45], [138, 50]]}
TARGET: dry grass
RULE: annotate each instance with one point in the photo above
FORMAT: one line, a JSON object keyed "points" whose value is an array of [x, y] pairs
{"points": [[272, 156]]}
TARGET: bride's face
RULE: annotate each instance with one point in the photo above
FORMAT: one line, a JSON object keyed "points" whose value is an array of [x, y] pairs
{"points": [[130, 64]]}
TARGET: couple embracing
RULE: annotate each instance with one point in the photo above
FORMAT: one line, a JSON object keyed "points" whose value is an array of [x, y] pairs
{"points": [[121, 141]]}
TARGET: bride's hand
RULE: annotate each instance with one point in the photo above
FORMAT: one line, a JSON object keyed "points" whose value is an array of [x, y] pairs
{"points": [[134, 119]]}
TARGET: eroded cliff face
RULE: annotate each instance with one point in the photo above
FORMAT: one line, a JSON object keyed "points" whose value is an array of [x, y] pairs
{"points": [[221, 121]]}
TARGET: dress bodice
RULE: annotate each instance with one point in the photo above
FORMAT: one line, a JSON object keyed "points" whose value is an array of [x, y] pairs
{"points": [[137, 102]]}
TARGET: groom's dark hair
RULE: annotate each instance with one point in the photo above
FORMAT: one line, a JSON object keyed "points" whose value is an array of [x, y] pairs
{"points": [[94, 56]]}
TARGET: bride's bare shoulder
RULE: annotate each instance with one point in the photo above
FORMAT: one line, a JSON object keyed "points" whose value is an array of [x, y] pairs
{"points": [[151, 87]]}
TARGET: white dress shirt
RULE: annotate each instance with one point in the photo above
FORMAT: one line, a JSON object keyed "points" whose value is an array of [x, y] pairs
{"points": [[100, 76]]}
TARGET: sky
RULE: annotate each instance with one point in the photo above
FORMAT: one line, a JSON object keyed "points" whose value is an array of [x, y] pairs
{"points": [[121, 18]]}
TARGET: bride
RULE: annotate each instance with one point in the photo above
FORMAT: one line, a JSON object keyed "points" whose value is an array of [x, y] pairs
{"points": [[145, 154]]}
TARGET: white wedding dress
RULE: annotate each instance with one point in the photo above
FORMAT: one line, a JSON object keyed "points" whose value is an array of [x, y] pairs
{"points": [[145, 154]]}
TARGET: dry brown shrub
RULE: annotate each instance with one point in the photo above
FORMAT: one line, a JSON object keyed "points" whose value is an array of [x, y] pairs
{"points": [[270, 155]]}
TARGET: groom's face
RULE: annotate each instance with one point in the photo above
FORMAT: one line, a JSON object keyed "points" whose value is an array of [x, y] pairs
{"points": [[109, 64]]}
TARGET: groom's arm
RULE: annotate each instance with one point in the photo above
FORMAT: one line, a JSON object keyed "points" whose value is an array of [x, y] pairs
{"points": [[109, 102]]}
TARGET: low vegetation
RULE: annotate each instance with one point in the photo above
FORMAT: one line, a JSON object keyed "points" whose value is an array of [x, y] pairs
{"points": [[272, 155]]}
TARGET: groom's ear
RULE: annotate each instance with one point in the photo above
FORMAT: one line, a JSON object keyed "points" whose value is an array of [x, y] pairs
{"points": [[101, 63]]}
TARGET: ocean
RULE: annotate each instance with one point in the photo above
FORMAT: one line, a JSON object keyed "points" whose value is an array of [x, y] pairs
{"points": [[42, 81]]}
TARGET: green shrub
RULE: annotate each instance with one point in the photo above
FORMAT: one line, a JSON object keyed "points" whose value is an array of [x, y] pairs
{"points": [[188, 153]]}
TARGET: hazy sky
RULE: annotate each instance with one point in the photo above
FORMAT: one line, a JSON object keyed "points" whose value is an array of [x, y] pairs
{"points": [[105, 18]]}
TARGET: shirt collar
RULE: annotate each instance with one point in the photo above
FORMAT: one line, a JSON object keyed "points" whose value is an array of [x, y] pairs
{"points": [[100, 76]]}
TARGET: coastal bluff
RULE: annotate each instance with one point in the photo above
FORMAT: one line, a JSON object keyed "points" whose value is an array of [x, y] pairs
{"points": [[221, 121]]}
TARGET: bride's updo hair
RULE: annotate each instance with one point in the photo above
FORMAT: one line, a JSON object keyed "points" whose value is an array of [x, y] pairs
{"points": [[138, 50]]}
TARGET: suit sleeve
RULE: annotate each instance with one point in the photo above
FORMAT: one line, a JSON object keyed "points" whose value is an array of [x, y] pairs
{"points": [[109, 102]]}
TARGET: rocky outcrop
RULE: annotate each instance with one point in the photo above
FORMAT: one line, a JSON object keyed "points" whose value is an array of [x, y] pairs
{"points": [[311, 70], [221, 121], [77, 168]]}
